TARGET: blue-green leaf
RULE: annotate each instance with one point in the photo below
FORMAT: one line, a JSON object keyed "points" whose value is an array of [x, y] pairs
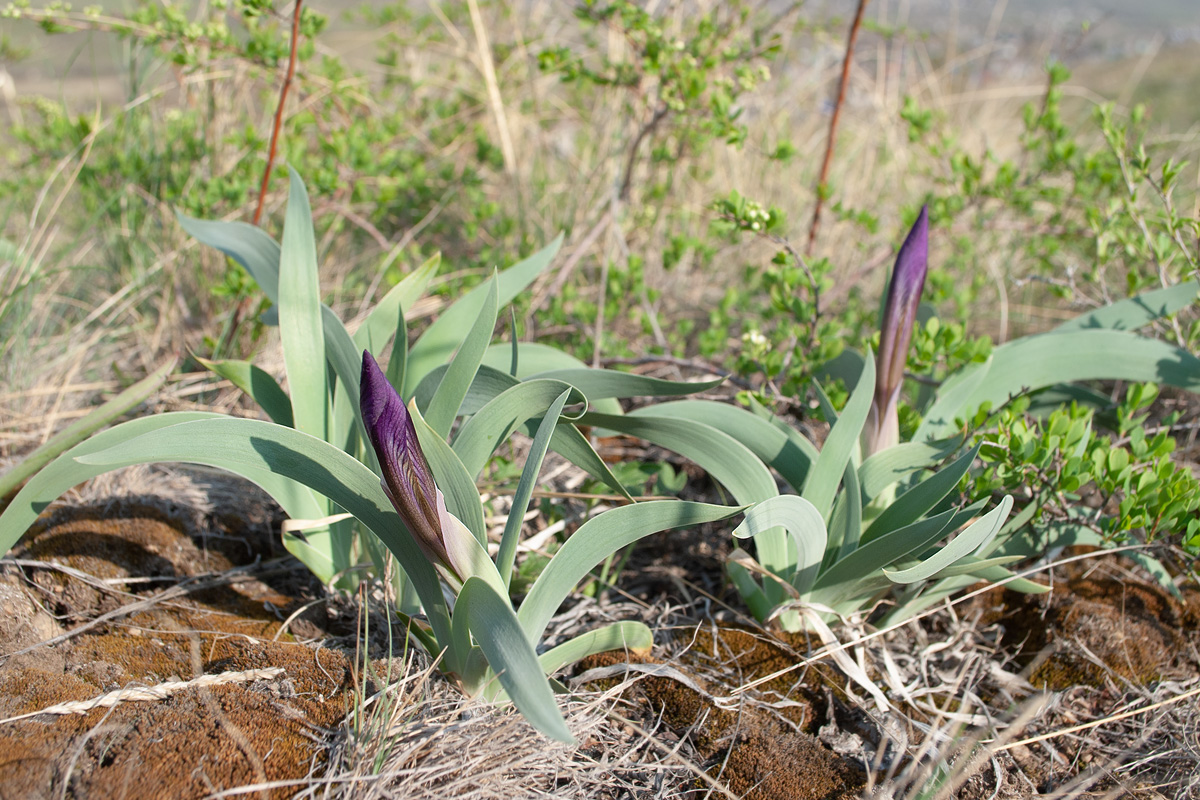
{"points": [[961, 546], [533, 358], [602, 383], [79, 430], [628, 635], [596, 540], [248, 245], [846, 577], [258, 384], [725, 459], [487, 385], [511, 657], [448, 396], [1035, 362], [803, 522], [845, 523], [382, 320], [1136, 312], [520, 503], [790, 456], [300, 325], [920, 499], [892, 464], [63, 472], [491, 425], [951, 401], [841, 443], [443, 337], [458, 485]]}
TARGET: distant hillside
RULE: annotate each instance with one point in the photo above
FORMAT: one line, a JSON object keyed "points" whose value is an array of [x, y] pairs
{"points": [[1110, 18]]}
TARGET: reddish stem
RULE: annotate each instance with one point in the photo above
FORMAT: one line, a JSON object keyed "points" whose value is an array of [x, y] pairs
{"points": [[822, 182], [240, 310], [283, 90]]}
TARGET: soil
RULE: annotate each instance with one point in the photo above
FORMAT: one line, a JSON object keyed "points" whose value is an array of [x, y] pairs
{"points": [[91, 581], [103, 598], [757, 747], [1094, 629], [1102, 642]]}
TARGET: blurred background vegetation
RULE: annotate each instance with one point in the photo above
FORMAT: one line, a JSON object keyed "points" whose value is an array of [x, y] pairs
{"points": [[678, 145]]}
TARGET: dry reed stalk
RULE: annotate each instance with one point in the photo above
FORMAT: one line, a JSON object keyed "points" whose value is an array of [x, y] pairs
{"points": [[822, 179]]}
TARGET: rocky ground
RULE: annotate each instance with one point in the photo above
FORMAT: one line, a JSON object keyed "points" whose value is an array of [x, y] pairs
{"points": [[151, 650]]}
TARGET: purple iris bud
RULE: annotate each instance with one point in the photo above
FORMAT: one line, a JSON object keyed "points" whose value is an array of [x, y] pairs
{"points": [[899, 315], [407, 478]]}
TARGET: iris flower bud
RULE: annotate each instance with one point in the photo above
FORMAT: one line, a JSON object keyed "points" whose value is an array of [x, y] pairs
{"points": [[904, 296], [407, 478]]}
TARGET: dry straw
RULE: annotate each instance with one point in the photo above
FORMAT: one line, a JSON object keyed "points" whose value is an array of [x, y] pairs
{"points": [[160, 691]]}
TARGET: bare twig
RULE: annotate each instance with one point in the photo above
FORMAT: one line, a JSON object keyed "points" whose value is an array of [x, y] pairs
{"points": [[626, 186], [244, 304], [283, 90], [1098, 722], [627, 180], [833, 123]]}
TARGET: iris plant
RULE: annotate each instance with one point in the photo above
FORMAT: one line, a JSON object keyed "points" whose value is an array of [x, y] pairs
{"points": [[854, 531]]}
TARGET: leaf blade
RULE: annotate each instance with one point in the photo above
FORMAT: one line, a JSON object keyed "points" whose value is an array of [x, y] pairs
{"points": [[626, 635], [460, 374], [507, 553], [511, 656], [258, 384], [826, 474], [443, 336], [597, 539], [300, 325], [801, 519], [381, 322], [961, 546], [1035, 362]]}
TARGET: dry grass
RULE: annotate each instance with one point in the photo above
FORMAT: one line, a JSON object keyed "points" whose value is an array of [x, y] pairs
{"points": [[433, 744], [419, 738], [965, 722], [562, 170]]}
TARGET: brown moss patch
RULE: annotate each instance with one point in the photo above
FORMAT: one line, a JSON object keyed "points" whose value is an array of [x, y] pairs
{"points": [[761, 747], [789, 765], [1091, 629], [749, 656], [196, 742], [133, 542]]}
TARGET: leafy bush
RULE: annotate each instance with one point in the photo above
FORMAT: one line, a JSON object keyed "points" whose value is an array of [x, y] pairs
{"points": [[1085, 487]]}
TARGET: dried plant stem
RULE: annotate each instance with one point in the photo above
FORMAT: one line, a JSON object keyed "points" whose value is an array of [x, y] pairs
{"points": [[275, 128], [243, 305], [822, 181], [487, 66], [159, 691], [1098, 722]]}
